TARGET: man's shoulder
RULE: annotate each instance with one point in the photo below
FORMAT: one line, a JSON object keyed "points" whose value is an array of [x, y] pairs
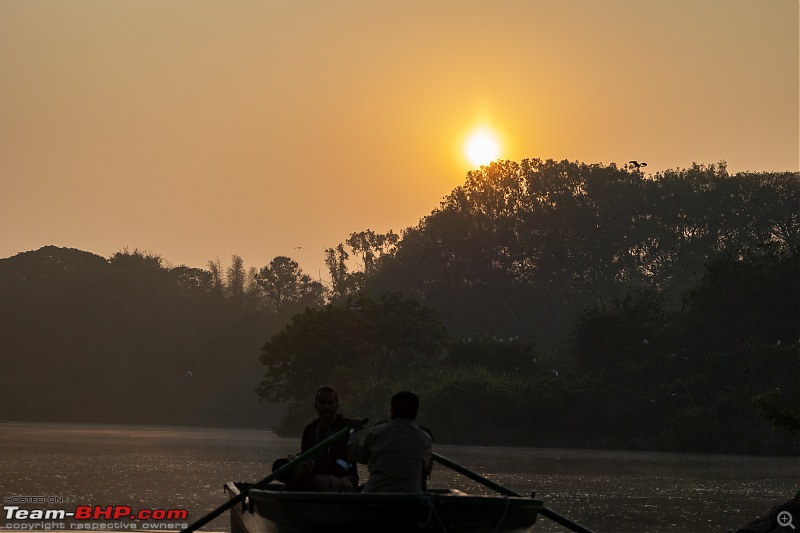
{"points": [[427, 431], [380, 425], [403, 425], [412, 432], [425, 434], [308, 430]]}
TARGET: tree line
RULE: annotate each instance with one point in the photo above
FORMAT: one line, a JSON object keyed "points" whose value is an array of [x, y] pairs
{"points": [[580, 305], [543, 303], [132, 339]]}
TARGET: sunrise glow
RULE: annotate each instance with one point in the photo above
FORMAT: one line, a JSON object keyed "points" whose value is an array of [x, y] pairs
{"points": [[482, 147]]}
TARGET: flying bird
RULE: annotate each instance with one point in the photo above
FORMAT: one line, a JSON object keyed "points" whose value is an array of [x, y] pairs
{"points": [[637, 164]]}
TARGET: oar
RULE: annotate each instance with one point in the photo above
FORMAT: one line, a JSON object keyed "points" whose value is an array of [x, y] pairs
{"points": [[548, 513], [354, 426]]}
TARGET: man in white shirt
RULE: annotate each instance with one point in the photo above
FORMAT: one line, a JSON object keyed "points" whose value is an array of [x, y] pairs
{"points": [[397, 453]]}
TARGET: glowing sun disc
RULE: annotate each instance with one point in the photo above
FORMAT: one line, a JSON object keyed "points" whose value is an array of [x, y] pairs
{"points": [[482, 147]]}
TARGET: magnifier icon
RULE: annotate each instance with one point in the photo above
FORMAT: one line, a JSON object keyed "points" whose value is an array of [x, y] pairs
{"points": [[785, 519]]}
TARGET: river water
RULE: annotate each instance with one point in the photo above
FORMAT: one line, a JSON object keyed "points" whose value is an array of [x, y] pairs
{"points": [[185, 468]]}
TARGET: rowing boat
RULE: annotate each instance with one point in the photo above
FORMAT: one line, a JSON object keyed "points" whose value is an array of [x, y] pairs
{"points": [[264, 507], [270, 509]]}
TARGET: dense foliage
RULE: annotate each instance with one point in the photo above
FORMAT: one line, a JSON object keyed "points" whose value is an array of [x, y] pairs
{"points": [[543, 303], [521, 248], [591, 305], [130, 339], [389, 337]]}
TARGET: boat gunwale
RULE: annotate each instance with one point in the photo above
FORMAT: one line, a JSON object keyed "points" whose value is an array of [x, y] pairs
{"points": [[279, 494]]}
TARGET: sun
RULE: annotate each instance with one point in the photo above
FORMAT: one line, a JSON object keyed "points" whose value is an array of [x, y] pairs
{"points": [[481, 147]]}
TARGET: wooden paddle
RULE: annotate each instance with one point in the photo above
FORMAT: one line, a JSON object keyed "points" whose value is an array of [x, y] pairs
{"points": [[548, 513], [355, 425]]}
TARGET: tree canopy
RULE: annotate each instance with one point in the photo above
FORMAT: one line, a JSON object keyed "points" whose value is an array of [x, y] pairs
{"points": [[561, 303], [349, 345], [521, 248]]}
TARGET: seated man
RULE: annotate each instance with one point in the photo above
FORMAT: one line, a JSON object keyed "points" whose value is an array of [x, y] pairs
{"points": [[398, 452], [330, 470]]}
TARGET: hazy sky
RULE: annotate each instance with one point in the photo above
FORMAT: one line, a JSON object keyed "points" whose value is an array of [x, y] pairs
{"points": [[196, 129]]}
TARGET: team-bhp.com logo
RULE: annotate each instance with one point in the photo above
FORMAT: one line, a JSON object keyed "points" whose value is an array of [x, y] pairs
{"points": [[89, 517]]}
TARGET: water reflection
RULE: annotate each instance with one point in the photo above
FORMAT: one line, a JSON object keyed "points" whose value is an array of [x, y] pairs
{"points": [[153, 467], [640, 491]]}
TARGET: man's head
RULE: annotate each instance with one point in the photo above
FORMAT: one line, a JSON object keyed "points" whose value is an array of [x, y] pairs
{"points": [[326, 403], [405, 404]]}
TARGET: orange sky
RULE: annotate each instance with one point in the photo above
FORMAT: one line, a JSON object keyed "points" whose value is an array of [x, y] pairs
{"points": [[195, 128]]}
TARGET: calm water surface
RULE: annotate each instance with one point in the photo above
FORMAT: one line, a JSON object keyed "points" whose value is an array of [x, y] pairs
{"points": [[157, 467]]}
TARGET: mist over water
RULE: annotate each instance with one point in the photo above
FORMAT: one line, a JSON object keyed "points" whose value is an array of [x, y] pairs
{"points": [[168, 468]]}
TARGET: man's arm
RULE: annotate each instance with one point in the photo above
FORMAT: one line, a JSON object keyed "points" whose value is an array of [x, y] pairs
{"points": [[357, 450], [427, 460], [306, 440]]}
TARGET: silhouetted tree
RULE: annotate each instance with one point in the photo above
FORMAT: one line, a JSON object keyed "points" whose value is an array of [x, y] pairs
{"points": [[192, 280], [344, 283], [746, 294], [217, 279], [286, 286], [235, 278], [112, 338], [520, 248], [349, 345], [371, 246], [625, 329]]}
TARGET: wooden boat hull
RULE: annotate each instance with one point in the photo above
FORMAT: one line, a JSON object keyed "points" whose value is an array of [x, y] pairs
{"points": [[273, 511]]}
